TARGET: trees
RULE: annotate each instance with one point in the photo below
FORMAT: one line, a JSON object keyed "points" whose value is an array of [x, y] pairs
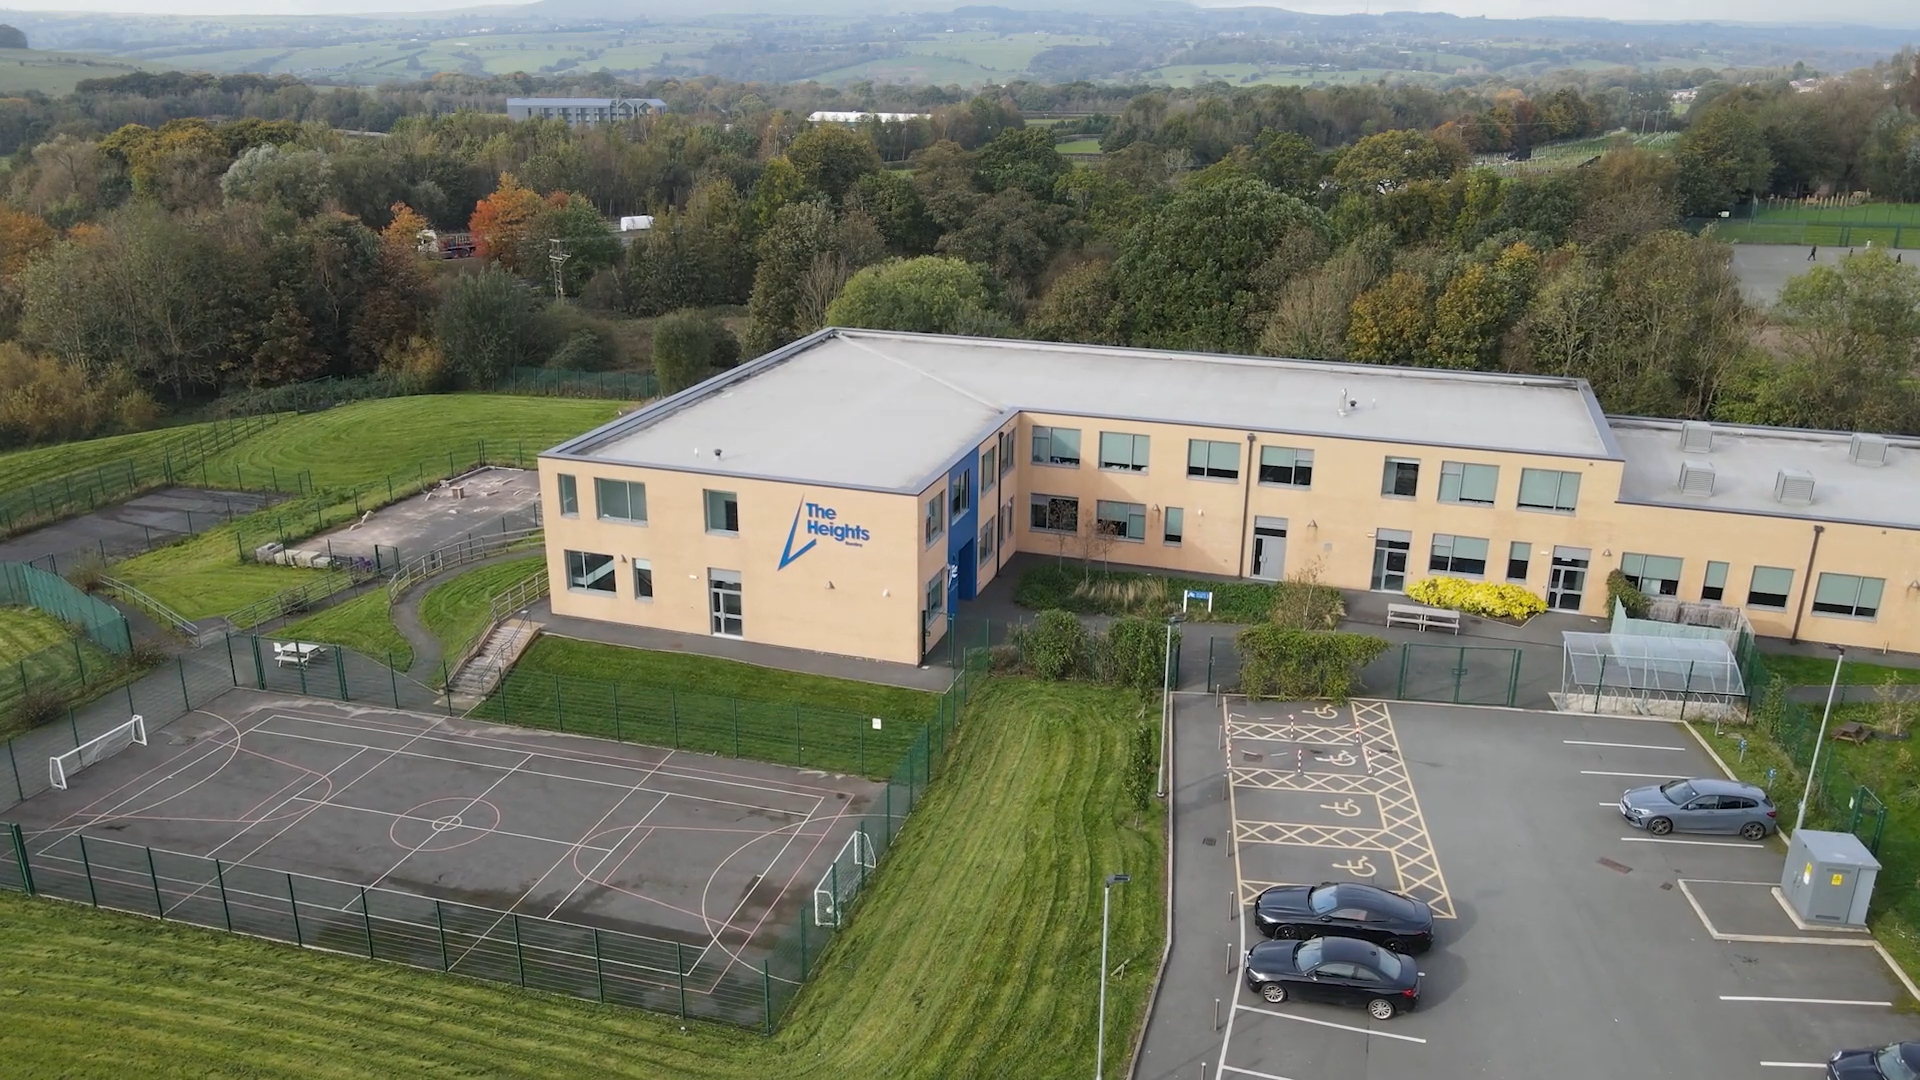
{"points": [[831, 158], [696, 257], [590, 246], [487, 324], [502, 221], [929, 295], [1380, 163], [1391, 322], [1722, 159], [688, 346], [1081, 305], [1021, 158], [804, 260], [299, 182]]}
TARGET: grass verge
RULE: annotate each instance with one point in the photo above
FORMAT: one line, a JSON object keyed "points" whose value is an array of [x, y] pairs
{"points": [[1002, 989], [455, 611], [362, 624], [41, 659], [1818, 671], [1090, 590]]}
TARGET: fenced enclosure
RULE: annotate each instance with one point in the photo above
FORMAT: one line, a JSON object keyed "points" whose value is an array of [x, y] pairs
{"points": [[28, 586], [1650, 676], [1413, 671]]}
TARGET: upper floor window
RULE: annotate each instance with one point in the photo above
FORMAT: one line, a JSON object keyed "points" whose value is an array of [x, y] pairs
{"points": [[620, 500], [960, 493], [1400, 478], [1474, 485], [1286, 466], [989, 468], [1549, 489], [1846, 594], [1119, 450], [1213, 459], [569, 496], [1056, 446], [723, 512], [936, 517]]}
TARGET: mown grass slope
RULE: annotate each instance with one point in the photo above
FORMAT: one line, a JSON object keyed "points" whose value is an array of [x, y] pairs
{"points": [[456, 610]]}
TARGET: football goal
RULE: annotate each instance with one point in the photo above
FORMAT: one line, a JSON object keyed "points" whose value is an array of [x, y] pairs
{"points": [[62, 766], [843, 879]]}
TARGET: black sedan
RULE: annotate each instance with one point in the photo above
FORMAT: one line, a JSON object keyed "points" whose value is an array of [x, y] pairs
{"points": [[1900, 1061], [1345, 909], [1340, 971]]}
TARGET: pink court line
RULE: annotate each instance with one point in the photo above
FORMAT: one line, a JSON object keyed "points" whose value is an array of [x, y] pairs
{"points": [[799, 866], [211, 749]]}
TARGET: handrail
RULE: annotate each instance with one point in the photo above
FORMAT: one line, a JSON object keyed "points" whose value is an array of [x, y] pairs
{"points": [[289, 601], [458, 553], [506, 602], [173, 619]]}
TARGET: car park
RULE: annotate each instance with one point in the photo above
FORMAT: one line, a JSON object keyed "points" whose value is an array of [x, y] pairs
{"points": [[1896, 1061], [1701, 805], [1345, 909], [1338, 971]]}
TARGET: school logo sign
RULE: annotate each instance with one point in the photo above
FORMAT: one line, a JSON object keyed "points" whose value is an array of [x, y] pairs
{"points": [[816, 523]]}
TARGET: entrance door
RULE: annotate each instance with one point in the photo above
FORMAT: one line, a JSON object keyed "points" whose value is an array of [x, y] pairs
{"points": [[1568, 579], [723, 602], [1269, 548], [966, 562], [1390, 547]]}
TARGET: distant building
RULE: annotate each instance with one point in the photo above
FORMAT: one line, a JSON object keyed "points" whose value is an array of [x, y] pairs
{"points": [[828, 117], [1686, 96], [583, 112]]}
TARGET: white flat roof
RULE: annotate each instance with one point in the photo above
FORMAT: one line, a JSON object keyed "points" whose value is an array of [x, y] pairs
{"points": [[1747, 461], [855, 408]]}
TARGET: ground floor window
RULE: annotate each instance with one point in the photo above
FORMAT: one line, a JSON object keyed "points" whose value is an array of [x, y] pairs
{"points": [[1770, 587], [589, 571], [642, 579], [1519, 556], [1173, 526], [986, 542], [1848, 595], [936, 598], [1715, 585], [1462, 556], [723, 603], [1122, 520], [1655, 575], [1053, 513]]}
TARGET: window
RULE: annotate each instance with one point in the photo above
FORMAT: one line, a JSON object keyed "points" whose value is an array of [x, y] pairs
{"points": [[589, 571], [620, 500], [1127, 453], [724, 603], [1053, 513], [986, 542], [936, 598], [960, 493], [1006, 522], [1401, 478], [989, 469], [1518, 554], [1056, 446], [1465, 556], [1470, 484], [642, 579], [1173, 525], [1286, 466], [1213, 460], [1548, 489], [936, 517], [1655, 575], [569, 497], [1847, 595], [1006, 452], [1770, 587], [723, 513], [1121, 520], [1715, 586]]}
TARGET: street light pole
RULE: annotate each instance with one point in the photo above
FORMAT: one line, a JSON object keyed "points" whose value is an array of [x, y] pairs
{"points": [[1161, 778], [1801, 817], [1100, 1039]]}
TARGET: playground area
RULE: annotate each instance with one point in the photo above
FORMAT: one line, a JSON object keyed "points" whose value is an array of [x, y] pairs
{"points": [[142, 523], [485, 501]]}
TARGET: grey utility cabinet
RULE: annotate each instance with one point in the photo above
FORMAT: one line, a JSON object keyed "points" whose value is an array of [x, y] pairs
{"points": [[1829, 877]]}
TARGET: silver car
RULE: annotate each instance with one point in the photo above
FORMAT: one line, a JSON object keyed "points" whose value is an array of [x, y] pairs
{"points": [[1703, 805]]}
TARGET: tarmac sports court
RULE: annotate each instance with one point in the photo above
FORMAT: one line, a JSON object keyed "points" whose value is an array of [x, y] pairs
{"points": [[719, 856], [1569, 944]]}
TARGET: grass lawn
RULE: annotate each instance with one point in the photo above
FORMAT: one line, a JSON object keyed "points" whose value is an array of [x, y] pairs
{"points": [[1089, 145], [37, 652], [1818, 671], [456, 610], [202, 575], [361, 624], [589, 660], [1089, 590], [1005, 988], [56, 73]]}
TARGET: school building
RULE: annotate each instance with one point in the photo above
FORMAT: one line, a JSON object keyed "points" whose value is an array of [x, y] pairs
{"points": [[844, 493]]}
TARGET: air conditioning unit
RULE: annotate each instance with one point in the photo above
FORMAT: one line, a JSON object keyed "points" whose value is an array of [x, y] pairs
{"points": [[1793, 487], [1696, 478], [1696, 437], [1868, 450]]}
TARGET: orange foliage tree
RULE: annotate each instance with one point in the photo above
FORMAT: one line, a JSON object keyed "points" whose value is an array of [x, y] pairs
{"points": [[22, 236], [502, 220]]}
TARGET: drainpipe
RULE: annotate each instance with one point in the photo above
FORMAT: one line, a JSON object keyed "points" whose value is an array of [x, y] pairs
{"points": [[1806, 584], [1246, 501]]}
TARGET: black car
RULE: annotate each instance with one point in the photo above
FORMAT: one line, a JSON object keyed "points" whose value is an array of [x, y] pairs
{"points": [[1900, 1061], [1341, 971], [1345, 909]]}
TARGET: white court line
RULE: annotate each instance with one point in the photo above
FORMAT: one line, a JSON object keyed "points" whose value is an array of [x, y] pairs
{"points": [[1613, 805], [1793, 1064], [1331, 1024], [1808, 1001], [471, 803], [1250, 1072], [1647, 775], [1751, 845], [1621, 745]]}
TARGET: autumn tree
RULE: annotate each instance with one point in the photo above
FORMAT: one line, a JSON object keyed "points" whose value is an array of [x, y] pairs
{"points": [[689, 346], [400, 299], [502, 221], [1722, 159], [1391, 322]]}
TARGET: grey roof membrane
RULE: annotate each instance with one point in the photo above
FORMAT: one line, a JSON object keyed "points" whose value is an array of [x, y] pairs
{"points": [[890, 411]]}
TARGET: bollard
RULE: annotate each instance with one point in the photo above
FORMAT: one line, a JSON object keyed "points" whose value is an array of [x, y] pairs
{"points": [[1229, 957], [1216, 1014], [1233, 906]]}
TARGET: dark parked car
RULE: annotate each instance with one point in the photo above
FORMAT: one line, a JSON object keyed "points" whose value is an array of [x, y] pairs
{"points": [[1345, 909], [1705, 804], [1900, 1061], [1341, 971]]}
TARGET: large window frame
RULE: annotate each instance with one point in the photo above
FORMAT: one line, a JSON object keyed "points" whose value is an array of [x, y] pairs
{"points": [[989, 468], [1639, 568], [1458, 556], [1714, 585], [1466, 483], [1549, 491], [722, 512], [936, 598], [1770, 588], [643, 580], [1213, 459], [1056, 514], [1848, 596], [1400, 478], [587, 570], [988, 534], [1007, 439], [1173, 526], [1286, 466], [1120, 520], [1123, 451], [1519, 561], [614, 500], [935, 523], [960, 494], [1056, 447], [569, 495]]}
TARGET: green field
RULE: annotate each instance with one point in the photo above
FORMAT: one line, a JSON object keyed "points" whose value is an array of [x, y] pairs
{"points": [[974, 954], [20, 469], [1818, 671], [38, 652], [1863, 214], [1825, 235], [55, 73], [912, 70], [361, 624], [1260, 75], [408, 56], [1009, 53], [1088, 145], [456, 610]]}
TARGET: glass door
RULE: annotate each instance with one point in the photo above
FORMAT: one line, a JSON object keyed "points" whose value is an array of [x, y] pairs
{"points": [[1269, 548], [1569, 578], [1390, 547], [723, 602]]}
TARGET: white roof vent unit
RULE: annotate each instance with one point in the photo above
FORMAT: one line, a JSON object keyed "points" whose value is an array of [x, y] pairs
{"points": [[1868, 450], [1794, 487], [1696, 478], [1696, 437]]}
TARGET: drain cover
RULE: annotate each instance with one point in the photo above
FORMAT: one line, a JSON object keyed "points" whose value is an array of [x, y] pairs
{"points": [[1252, 755], [1208, 841], [1611, 865]]}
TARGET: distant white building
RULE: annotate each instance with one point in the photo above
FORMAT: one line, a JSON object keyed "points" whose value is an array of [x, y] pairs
{"points": [[829, 117], [583, 112]]}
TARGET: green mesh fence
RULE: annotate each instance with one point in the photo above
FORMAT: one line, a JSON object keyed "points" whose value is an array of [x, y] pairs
{"points": [[28, 586]]}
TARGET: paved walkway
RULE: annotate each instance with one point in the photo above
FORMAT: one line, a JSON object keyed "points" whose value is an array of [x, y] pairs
{"points": [[427, 651]]}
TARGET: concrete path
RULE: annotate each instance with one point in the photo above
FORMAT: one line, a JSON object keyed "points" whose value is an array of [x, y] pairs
{"points": [[427, 651]]}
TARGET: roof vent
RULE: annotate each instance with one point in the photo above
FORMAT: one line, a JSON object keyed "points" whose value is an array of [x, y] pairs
{"points": [[1869, 450], [1794, 487], [1696, 478], [1696, 437]]}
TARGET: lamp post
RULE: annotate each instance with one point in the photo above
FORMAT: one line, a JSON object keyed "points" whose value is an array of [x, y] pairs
{"points": [[1166, 688], [1100, 1039], [1801, 817]]}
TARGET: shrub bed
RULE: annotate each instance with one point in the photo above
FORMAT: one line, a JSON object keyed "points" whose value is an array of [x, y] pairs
{"points": [[1278, 663], [1092, 591], [1493, 599]]}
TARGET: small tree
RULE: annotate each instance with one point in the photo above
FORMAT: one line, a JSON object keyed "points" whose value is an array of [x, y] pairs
{"points": [[487, 324], [1302, 603], [1055, 646], [1136, 650], [1300, 664], [688, 346], [1142, 767], [1622, 591]]}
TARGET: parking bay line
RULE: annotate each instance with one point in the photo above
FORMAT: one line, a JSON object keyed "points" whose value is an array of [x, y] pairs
{"points": [[1621, 745], [1793, 1064], [1250, 1072], [1694, 843], [1807, 1001], [1329, 1023], [1643, 775]]}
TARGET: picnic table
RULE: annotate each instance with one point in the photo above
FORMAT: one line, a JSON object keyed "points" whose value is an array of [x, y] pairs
{"points": [[300, 653]]}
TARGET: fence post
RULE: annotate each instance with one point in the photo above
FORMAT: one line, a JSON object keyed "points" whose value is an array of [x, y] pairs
{"points": [[1599, 682], [889, 829], [20, 857], [259, 668], [673, 715], [294, 907], [366, 918], [559, 711], [615, 690], [1400, 687], [73, 725], [220, 877], [19, 789], [736, 726], [1459, 672], [159, 905], [803, 944], [86, 867], [799, 755], [1513, 680], [680, 976], [519, 960], [186, 701], [440, 927], [340, 671]]}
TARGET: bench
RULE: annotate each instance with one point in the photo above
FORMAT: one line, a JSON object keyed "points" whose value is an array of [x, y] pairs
{"points": [[1852, 732], [300, 653], [1417, 617]]}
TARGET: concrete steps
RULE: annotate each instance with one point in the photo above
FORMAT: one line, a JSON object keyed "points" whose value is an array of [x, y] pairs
{"points": [[482, 672]]}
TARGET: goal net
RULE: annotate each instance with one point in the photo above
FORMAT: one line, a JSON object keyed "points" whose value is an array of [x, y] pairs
{"points": [[843, 879], [62, 766]]}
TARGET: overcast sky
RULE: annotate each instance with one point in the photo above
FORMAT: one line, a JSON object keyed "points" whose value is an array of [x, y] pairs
{"points": [[1904, 13]]}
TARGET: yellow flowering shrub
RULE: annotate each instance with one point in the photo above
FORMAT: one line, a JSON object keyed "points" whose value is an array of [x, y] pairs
{"points": [[1494, 599]]}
